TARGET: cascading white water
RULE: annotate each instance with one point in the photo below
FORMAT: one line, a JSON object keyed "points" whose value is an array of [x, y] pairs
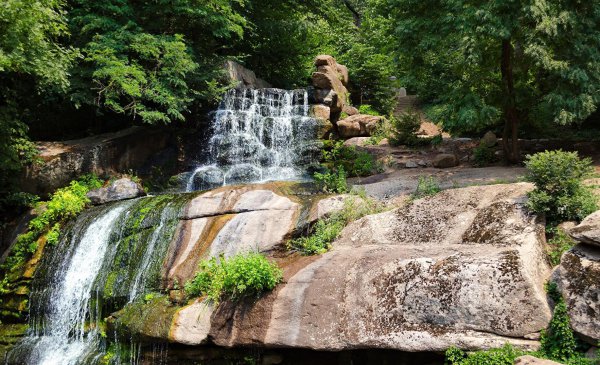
{"points": [[64, 339], [258, 135]]}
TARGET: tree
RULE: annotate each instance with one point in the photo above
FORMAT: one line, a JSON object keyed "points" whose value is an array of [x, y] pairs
{"points": [[505, 61], [32, 61]]}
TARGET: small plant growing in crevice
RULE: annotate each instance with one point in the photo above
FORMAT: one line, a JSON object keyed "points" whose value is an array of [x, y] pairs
{"points": [[505, 355], [234, 278], [558, 340], [559, 243], [559, 192], [427, 186], [326, 230]]}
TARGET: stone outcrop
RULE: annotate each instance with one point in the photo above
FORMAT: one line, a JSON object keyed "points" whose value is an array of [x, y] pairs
{"points": [[530, 360], [464, 268], [121, 189], [588, 231], [329, 82], [578, 279], [137, 149], [358, 125], [243, 77]]}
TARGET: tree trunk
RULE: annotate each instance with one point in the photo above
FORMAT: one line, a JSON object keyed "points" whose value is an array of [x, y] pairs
{"points": [[355, 13], [510, 137]]}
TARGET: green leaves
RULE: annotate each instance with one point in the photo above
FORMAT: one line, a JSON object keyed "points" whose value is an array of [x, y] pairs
{"points": [[235, 277]]}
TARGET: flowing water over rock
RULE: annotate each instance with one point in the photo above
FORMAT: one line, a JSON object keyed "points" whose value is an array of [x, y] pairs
{"points": [[110, 256], [258, 135]]}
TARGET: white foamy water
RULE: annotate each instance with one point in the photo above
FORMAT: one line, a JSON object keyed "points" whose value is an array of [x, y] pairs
{"points": [[257, 135], [64, 339]]}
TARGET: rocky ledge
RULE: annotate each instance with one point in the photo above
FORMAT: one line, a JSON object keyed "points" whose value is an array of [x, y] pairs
{"points": [[463, 268]]}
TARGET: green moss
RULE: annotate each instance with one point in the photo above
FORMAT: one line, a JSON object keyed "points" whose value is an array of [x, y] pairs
{"points": [[145, 319]]}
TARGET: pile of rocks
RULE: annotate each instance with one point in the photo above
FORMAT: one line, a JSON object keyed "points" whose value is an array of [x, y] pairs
{"points": [[331, 100]]}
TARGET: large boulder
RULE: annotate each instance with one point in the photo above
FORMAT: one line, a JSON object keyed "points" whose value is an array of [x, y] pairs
{"points": [[359, 125], [445, 160], [243, 77], [464, 268], [588, 231], [331, 77], [578, 279], [121, 189]]}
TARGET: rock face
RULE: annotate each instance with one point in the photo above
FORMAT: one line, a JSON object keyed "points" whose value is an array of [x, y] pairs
{"points": [[530, 360], [244, 77], [588, 231], [578, 279], [465, 268], [139, 149], [120, 189], [330, 81], [359, 125]]}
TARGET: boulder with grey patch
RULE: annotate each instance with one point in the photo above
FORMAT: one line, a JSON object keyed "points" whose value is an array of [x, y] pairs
{"points": [[120, 189]]}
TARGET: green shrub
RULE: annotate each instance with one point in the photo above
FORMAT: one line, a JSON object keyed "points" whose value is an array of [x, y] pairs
{"points": [[483, 155], [326, 230], [505, 355], [404, 129], [560, 193], [382, 130], [368, 109], [235, 277], [558, 340], [427, 186], [332, 181], [354, 161], [559, 243], [65, 204]]}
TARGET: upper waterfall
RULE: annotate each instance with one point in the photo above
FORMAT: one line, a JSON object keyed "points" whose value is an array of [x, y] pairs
{"points": [[258, 135]]}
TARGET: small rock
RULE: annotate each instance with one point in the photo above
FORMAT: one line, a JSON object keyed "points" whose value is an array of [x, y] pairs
{"points": [[350, 110], [445, 160], [120, 189], [422, 163], [356, 141], [320, 111], [530, 360], [489, 139], [533, 336], [588, 231], [359, 125], [411, 165]]}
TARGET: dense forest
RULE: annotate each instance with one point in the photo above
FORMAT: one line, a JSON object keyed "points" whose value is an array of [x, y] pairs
{"points": [[78, 67]]}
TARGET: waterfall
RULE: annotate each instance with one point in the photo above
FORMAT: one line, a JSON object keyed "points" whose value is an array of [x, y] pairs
{"points": [[110, 256], [258, 135], [63, 338]]}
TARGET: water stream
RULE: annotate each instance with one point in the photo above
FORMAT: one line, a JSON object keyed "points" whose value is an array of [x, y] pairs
{"points": [[258, 135]]}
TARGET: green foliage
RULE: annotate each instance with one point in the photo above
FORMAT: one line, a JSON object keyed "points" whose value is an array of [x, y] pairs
{"points": [[354, 161], [404, 129], [560, 193], [367, 109], [326, 230], [505, 355], [235, 277], [559, 243], [65, 204], [332, 181], [483, 155], [558, 340], [427, 186]]}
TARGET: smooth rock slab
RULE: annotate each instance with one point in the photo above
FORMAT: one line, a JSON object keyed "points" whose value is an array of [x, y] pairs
{"points": [[530, 360], [588, 231], [578, 279]]}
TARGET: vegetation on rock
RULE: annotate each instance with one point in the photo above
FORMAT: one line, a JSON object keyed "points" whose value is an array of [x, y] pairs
{"points": [[327, 229], [235, 277], [559, 190]]}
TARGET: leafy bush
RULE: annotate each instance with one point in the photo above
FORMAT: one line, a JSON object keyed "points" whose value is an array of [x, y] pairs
{"points": [[558, 340], [404, 129], [326, 230], [427, 186], [367, 109], [332, 181], [65, 204], [235, 277], [483, 155], [382, 130], [560, 193], [559, 243], [505, 355]]}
